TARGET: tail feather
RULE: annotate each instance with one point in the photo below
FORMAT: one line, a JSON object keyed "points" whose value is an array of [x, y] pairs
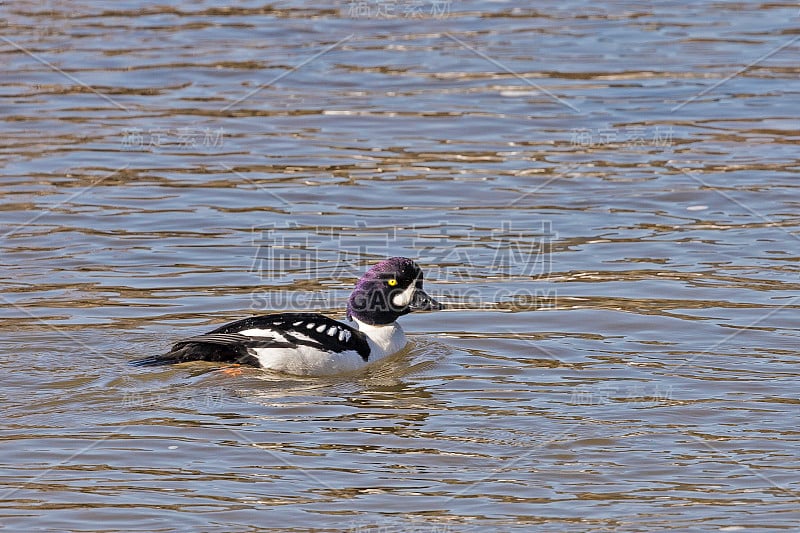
{"points": [[199, 351], [154, 360]]}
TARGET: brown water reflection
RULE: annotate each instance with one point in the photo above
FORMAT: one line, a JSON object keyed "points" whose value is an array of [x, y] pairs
{"points": [[605, 195]]}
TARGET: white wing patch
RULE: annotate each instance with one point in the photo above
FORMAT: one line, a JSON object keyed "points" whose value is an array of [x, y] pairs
{"points": [[256, 332], [332, 331], [267, 333], [275, 335]]}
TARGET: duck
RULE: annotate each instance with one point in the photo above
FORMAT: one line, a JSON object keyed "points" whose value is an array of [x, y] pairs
{"points": [[312, 344]]}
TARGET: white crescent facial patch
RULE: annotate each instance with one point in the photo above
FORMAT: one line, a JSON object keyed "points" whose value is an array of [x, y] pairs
{"points": [[405, 297]]}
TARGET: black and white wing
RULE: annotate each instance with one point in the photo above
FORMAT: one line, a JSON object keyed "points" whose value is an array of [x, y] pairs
{"points": [[236, 342]]}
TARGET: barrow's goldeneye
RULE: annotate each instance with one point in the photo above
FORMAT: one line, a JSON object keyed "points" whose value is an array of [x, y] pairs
{"points": [[312, 344]]}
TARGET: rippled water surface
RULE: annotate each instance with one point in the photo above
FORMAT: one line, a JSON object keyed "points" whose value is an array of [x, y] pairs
{"points": [[605, 195]]}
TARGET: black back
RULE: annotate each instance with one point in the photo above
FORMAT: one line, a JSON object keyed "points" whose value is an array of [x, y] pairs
{"points": [[227, 344]]}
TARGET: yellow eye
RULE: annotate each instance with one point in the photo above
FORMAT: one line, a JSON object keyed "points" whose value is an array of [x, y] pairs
{"points": [[392, 282]]}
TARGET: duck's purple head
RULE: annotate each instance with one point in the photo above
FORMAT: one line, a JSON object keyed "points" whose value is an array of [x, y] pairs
{"points": [[389, 290]]}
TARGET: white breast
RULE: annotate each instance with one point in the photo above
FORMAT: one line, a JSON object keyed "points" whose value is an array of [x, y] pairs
{"points": [[383, 340]]}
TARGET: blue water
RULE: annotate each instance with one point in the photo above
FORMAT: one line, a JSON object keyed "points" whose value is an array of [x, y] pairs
{"points": [[605, 196]]}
